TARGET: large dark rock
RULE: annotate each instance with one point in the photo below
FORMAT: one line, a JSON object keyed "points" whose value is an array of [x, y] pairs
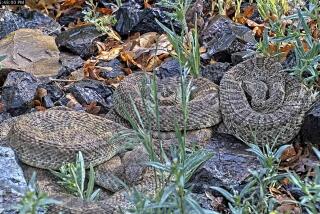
{"points": [[12, 182], [290, 61], [228, 167], [131, 17], [215, 72], [18, 92], [80, 40], [24, 18], [53, 94], [311, 125], [89, 91], [222, 37], [241, 56], [169, 68], [72, 15], [69, 63], [111, 69]]}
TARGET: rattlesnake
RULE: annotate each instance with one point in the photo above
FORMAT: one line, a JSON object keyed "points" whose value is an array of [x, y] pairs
{"points": [[203, 106], [262, 104], [277, 102], [49, 139]]}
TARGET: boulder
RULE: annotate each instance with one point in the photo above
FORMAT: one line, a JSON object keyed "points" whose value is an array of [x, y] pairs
{"points": [[89, 91], [215, 72], [31, 51], [79, 40], [25, 18], [18, 92], [12, 182], [228, 167], [311, 125], [222, 37], [168, 68]]}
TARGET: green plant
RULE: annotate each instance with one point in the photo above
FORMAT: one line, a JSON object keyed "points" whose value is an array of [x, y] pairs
{"points": [[238, 8], [222, 6], [254, 197], [307, 59], [119, 3], [34, 200], [273, 12], [310, 188], [186, 45], [102, 23], [73, 179], [170, 174]]}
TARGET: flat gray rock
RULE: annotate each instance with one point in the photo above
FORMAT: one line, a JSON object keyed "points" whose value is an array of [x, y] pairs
{"points": [[12, 181]]}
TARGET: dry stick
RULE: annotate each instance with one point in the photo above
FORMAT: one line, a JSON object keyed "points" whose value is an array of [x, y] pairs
{"points": [[62, 80]]}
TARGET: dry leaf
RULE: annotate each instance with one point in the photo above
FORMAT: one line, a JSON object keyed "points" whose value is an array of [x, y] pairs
{"points": [[2, 107], [92, 108], [40, 108], [110, 55], [41, 92], [248, 11]]}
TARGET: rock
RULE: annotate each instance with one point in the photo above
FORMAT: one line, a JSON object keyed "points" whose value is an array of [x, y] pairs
{"points": [[131, 17], [169, 68], [135, 164], [310, 127], [228, 167], [215, 72], [53, 90], [12, 181], [18, 92], [222, 37], [128, 16], [290, 61], [148, 21], [88, 91], [108, 173], [241, 56], [111, 69], [4, 116], [31, 51], [24, 18], [72, 15], [69, 63], [80, 40]]}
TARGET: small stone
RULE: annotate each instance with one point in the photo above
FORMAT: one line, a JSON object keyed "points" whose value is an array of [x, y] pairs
{"points": [[228, 167], [47, 102], [168, 68], [54, 92], [215, 72], [80, 40], [238, 57], [111, 69], [135, 164], [18, 92], [108, 173], [12, 182], [69, 63]]}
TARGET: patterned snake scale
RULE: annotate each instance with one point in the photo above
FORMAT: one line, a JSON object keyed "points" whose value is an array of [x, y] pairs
{"points": [[262, 104], [255, 97]]}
